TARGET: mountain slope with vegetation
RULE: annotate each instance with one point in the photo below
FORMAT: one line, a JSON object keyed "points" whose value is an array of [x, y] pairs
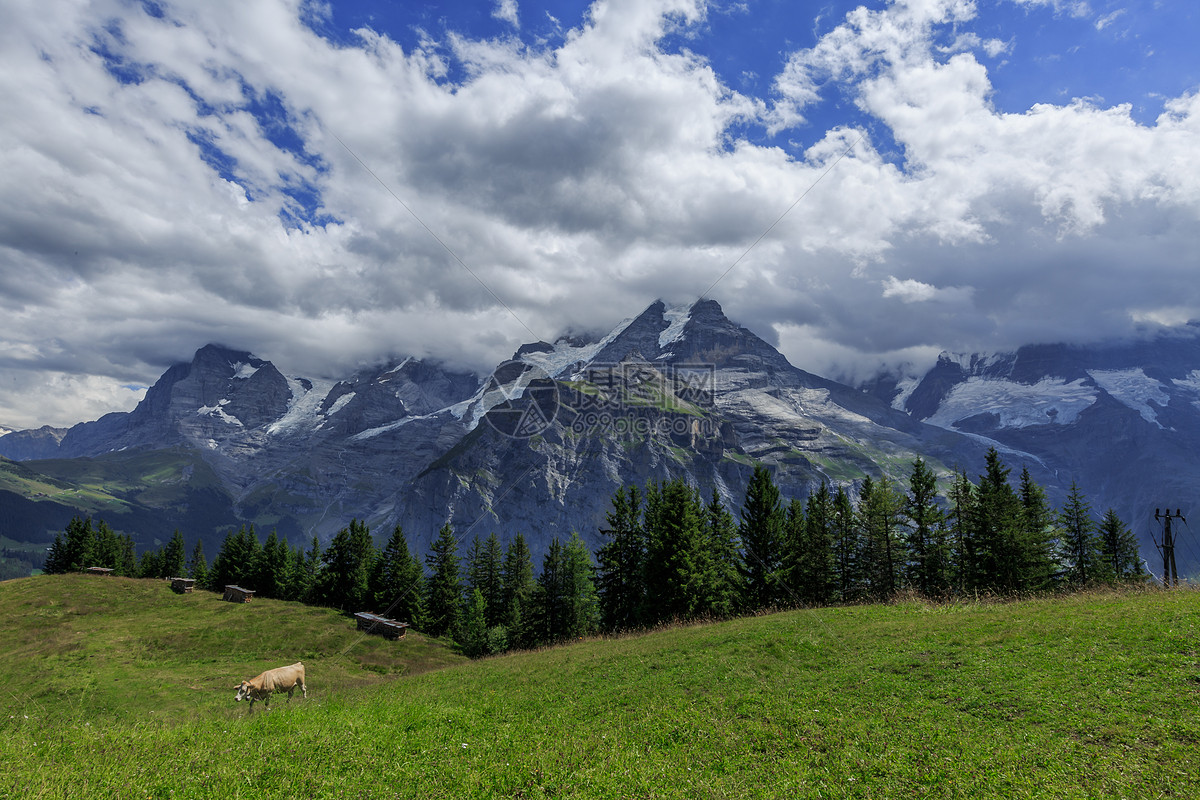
{"points": [[1087, 695]]}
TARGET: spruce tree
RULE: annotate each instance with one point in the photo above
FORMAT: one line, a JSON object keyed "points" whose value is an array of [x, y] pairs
{"points": [[106, 548], [965, 575], [549, 597], [347, 565], [581, 603], [998, 529], [676, 563], [848, 575], [928, 552], [761, 531], [444, 602], [197, 567], [619, 575], [1079, 549], [791, 552], [879, 510], [724, 583], [518, 588], [174, 556], [815, 573], [1119, 554], [72, 550], [126, 556], [1037, 537], [150, 564], [398, 585], [272, 570], [485, 564], [472, 635]]}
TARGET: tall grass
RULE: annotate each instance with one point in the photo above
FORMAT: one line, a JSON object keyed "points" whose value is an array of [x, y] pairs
{"points": [[1091, 695]]}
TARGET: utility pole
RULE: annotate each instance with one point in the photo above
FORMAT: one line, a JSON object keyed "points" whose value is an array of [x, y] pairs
{"points": [[1168, 547]]}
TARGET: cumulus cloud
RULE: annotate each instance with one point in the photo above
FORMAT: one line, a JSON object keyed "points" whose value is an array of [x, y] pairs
{"points": [[223, 172], [506, 10]]}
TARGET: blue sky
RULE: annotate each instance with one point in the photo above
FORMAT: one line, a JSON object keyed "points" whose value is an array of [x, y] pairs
{"points": [[324, 183]]}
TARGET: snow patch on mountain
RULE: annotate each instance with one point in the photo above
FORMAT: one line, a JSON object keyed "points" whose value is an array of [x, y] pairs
{"points": [[676, 318], [565, 355], [1190, 383], [304, 407], [975, 363], [242, 370], [391, 373], [904, 389], [1016, 405], [339, 404], [219, 412], [371, 433], [1133, 388]]}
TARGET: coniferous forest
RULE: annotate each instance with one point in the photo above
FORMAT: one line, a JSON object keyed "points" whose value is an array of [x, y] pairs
{"points": [[670, 554]]}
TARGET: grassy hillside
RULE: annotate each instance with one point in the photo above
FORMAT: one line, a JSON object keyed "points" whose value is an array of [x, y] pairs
{"points": [[1088, 696]]}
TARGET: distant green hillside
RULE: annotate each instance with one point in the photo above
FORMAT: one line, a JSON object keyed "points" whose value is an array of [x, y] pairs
{"points": [[146, 494], [117, 688]]}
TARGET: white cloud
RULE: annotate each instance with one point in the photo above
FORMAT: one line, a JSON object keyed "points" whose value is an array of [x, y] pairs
{"points": [[1109, 19], [911, 291], [506, 10]]}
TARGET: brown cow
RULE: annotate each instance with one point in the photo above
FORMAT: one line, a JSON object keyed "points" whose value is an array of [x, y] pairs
{"points": [[282, 679]]}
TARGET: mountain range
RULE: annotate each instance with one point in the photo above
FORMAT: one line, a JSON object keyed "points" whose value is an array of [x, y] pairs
{"points": [[539, 445]]}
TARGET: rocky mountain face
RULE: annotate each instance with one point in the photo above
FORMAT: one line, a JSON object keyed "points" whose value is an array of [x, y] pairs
{"points": [[1121, 419], [539, 445]]}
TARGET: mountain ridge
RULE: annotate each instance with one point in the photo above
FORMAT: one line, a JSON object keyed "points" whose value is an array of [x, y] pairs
{"points": [[540, 444]]}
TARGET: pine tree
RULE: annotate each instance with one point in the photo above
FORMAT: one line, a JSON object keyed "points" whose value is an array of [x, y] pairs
{"points": [[106, 549], [485, 563], [306, 572], [472, 635], [443, 605], [815, 570], [237, 561], [676, 557], [173, 557], [398, 586], [1037, 536], [549, 597], [965, 573], [619, 576], [848, 575], [197, 567], [126, 556], [928, 551], [724, 584], [72, 550], [150, 564], [792, 551], [1119, 550], [761, 531], [879, 510], [997, 529], [582, 604], [347, 565], [1079, 547], [518, 588]]}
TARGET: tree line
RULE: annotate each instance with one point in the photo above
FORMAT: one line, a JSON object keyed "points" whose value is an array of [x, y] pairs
{"points": [[669, 555]]}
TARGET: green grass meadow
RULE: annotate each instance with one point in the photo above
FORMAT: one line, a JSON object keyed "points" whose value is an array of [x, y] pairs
{"points": [[120, 688]]}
